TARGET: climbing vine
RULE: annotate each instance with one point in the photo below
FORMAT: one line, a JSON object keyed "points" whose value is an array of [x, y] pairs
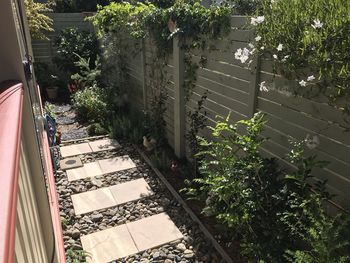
{"points": [[189, 20], [308, 41]]}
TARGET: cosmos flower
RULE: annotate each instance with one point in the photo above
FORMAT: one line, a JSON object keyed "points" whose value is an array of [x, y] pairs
{"points": [[257, 20], [258, 38], [310, 78], [317, 24], [279, 47], [302, 83], [263, 87]]}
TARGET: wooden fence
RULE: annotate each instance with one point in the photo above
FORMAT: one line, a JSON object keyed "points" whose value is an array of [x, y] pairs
{"points": [[44, 50], [234, 88]]}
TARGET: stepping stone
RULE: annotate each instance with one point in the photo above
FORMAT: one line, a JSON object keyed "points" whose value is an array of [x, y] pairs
{"points": [[153, 231], [74, 134], [92, 200], [87, 170], [116, 164], [75, 149], [70, 163], [103, 145], [107, 245], [130, 191], [130, 238]]}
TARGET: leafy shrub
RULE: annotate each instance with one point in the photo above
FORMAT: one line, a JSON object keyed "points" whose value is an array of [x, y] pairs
{"points": [[90, 104], [160, 160], [71, 41], [245, 7], [88, 75], [96, 129], [273, 212], [192, 20], [130, 125], [310, 42]]}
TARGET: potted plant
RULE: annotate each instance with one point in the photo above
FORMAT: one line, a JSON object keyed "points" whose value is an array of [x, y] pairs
{"points": [[52, 88]]}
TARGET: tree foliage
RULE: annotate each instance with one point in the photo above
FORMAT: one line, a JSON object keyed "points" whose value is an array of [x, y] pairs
{"points": [[38, 21]]}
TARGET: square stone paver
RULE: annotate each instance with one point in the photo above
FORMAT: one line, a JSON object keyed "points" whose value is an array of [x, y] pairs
{"points": [[153, 231], [87, 170], [70, 163], [110, 244], [130, 191], [116, 164], [92, 200], [102, 145], [75, 149]]}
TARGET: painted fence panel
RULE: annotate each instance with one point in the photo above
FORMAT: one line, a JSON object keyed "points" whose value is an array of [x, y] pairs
{"points": [[233, 88]]}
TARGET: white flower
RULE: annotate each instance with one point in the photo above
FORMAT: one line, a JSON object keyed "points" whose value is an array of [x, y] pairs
{"points": [[251, 45], [284, 59], [317, 24], [258, 38], [262, 48], [257, 20], [310, 78], [312, 141], [263, 87], [275, 56], [302, 83], [242, 54], [280, 47]]}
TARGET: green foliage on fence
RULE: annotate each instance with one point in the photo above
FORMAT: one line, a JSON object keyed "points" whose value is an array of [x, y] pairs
{"points": [[190, 20], [310, 43]]}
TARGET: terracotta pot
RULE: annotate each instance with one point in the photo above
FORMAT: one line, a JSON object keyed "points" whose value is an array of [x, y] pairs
{"points": [[52, 92]]}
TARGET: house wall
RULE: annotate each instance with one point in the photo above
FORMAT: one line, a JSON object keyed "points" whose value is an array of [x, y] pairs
{"points": [[29, 236]]}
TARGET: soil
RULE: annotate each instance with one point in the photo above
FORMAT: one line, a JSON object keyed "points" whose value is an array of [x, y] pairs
{"points": [[219, 231]]}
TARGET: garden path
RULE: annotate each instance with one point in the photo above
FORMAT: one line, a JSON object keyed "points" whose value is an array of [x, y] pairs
{"points": [[115, 209]]}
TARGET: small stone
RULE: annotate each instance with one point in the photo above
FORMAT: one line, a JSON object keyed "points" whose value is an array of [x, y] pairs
{"points": [[168, 261], [188, 253], [170, 256], [181, 247], [75, 233], [156, 255], [96, 182], [96, 218]]}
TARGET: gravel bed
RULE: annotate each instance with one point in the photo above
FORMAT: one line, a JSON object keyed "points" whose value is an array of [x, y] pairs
{"points": [[193, 248], [65, 120], [61, 108], [74, 134]]}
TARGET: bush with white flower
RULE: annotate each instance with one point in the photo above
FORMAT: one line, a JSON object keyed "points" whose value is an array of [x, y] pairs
{"points": [[308, 41]]}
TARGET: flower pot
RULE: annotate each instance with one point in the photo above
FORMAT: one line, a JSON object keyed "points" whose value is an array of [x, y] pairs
{"points": [[52, 92]]}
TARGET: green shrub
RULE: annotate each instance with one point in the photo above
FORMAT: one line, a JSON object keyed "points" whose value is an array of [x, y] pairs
{"points": [[274, 213], [90, 104], [161, 161], [88, 75], [96, 129], [71, 41], [131, 125]]}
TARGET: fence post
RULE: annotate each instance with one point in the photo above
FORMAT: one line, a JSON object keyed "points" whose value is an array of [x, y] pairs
{"points": [[253, 86], [143, 73], [179, 99]]}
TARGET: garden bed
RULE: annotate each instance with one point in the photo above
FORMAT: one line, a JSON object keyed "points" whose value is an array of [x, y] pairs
{"points": [[210, 226]]}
